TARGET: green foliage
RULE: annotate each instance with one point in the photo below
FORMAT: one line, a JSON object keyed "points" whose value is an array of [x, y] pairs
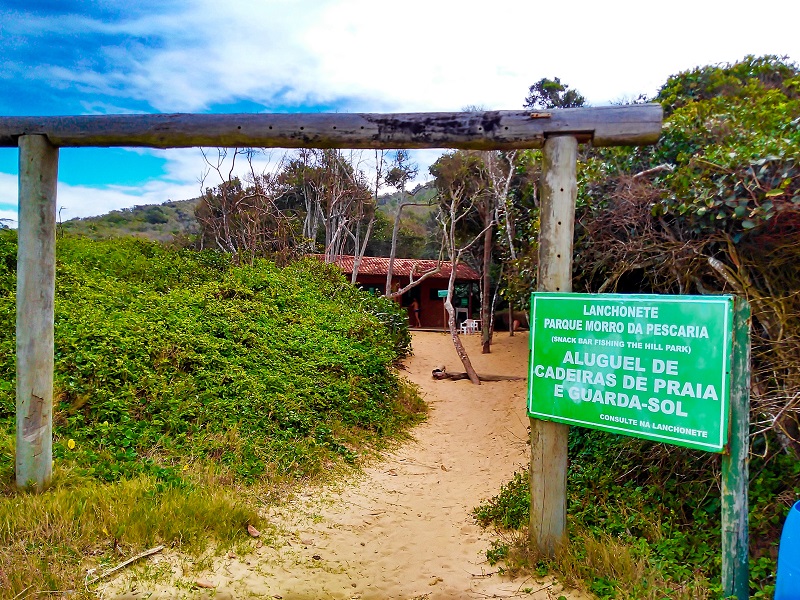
{"points": [[510, 509], [156, 215], [179, 378], [393, 319], [728, 152], [713, 207], [732, 81], [498, 552], [736, 161], [413, 235], [181, 224], [162, 222], [551, 93], [169, 358], [662, 503], [422, 193]]}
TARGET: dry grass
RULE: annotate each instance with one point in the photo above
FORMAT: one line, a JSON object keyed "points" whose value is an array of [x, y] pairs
{"points": [[599, 563], [49, 541], [632, 570]]}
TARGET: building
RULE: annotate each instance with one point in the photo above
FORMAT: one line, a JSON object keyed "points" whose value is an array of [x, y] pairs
{"points": [[429, 294]]}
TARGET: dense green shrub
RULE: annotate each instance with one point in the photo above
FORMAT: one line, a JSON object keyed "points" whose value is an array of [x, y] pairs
{"points": [[168, 357], [713, 207], [663, 501]]}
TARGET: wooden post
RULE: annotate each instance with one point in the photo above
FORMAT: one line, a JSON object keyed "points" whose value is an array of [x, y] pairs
{"points": [[548, 473], [735, 476], [36, 275]]}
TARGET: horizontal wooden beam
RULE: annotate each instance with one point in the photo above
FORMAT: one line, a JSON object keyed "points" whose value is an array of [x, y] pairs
{"points": [[631, 125]]}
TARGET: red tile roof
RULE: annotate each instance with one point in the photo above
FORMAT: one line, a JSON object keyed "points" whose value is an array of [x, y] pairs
{"points": [[378, 265]]}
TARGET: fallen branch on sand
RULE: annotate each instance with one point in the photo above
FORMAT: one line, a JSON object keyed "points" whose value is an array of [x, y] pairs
{"points": [[441, 373], [125, 564]]}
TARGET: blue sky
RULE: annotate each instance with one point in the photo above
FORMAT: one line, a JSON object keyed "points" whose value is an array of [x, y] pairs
{"points": [[99, 57]]}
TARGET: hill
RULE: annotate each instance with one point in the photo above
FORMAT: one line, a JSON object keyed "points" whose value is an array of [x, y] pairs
{"points": [[176, 220], [421, 194], [161, 222]]}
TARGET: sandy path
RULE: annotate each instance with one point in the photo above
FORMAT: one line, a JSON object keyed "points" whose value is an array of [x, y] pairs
{"points": [[403, 529]]}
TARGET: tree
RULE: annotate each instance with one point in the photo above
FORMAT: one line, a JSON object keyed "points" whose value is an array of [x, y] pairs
{"points": [[457, 177], [371, 208], [714, 207], [243, 218], [498, 173], [332, 197], [486, 177], [551, 93], [311, 198], [398, 176]]}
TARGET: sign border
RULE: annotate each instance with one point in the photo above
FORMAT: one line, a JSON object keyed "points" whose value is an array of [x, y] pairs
{"points": [[723, 299]]}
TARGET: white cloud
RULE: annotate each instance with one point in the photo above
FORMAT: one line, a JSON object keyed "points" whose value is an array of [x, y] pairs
{"points": [[443, 55], [8, 218], [82, 201], [379, 56], [210, 53], [418, 55]]}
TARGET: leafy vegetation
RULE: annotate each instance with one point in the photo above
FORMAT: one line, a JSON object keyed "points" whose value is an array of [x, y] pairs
{"points": [[417, 237], [551, 93], [657, 507], [714, 207], [177, 371], [163, 222], [177, 222]]}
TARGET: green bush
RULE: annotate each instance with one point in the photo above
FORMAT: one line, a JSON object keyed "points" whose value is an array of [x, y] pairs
{"points": [[662, 502], [510, 509], [169, 357]]}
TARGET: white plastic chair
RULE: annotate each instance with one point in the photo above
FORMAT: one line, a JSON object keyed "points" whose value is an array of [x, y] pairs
{"points": [[469, 326]]}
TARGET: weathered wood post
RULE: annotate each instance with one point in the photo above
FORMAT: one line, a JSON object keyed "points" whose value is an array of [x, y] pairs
{"points": [[36, 275], [548, 475], [735, 471]]}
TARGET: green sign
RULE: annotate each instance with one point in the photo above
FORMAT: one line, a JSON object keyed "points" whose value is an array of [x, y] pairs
{"points": [[442, 293], [650, 366]]}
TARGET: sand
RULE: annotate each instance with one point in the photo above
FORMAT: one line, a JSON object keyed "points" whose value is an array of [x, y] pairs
{"points": [[403, 528]]}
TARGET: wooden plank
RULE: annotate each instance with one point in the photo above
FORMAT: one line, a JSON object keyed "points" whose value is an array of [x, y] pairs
{"points": [[36, 273], [501, 130], [735, 463], [548, 473]]}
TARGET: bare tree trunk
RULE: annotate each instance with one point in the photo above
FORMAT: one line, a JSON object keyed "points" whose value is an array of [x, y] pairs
{"points": [[360, 254], [398, 176], [502, 201], [449, 227], [451, 322], [361, 249], [393, 249], [390, 269], [494, 302], [500, 186], [486, 332]]}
